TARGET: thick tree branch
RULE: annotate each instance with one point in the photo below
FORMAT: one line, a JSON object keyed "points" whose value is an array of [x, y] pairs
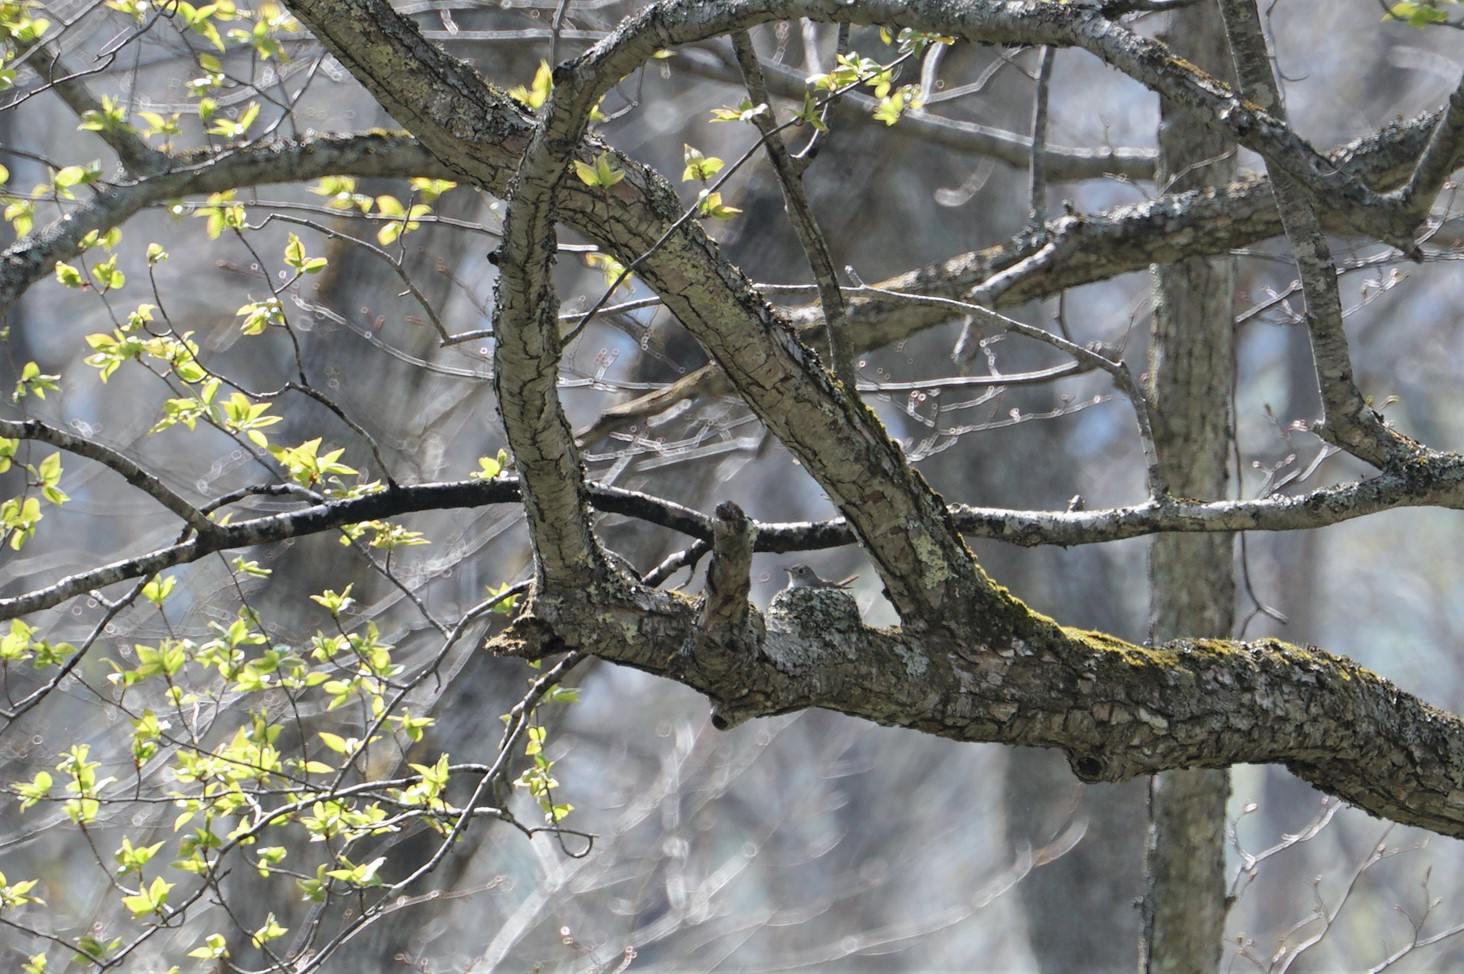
{"points": [[526, 362], [1116, 709], [1437, 161], [928, 572]]}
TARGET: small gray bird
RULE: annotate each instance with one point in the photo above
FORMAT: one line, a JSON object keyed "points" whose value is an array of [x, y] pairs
{"points": [[801, 576]]}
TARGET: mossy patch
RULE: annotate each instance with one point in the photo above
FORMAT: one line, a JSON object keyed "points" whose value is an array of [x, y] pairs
{"points": [[1122, 650]]}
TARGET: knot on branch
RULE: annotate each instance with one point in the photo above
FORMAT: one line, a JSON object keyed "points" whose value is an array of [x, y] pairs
{"points": [[1090, 769], [726, 642], [729, 576]]}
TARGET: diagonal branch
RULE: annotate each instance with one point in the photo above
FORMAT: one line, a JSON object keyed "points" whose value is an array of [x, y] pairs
{"points": [[800, 215], [1438, 159], [1351, 422], [928, 572], [119, 463]]}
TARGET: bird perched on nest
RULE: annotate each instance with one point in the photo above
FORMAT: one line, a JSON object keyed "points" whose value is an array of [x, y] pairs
{"points": [[801, 576]]}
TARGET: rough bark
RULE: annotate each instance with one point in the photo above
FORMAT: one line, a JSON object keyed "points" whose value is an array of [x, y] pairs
{"points": [[971, 662], [1191, 372]]}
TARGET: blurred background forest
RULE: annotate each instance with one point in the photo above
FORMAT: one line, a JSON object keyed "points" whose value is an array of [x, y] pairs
{"points": [[809, 842]]}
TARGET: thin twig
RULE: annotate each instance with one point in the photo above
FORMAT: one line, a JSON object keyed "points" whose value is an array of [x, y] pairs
{"points": [[34, 429], [800, 215], [1037, 170]]}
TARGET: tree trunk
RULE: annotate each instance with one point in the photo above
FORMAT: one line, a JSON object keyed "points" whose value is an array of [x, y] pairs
{"points": [[1191, 373]]}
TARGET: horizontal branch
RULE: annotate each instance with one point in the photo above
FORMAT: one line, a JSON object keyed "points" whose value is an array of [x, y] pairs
{"points": [[1116, 709], [969, 138], [200, 172], [331, 515], [1437, 480]]}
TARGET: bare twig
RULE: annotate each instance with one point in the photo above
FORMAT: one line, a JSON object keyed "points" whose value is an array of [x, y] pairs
{"points": [[119, 463], [1037, 170], [1351, 422], [800, 215]]}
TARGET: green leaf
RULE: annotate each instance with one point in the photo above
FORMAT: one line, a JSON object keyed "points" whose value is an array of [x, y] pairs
{"points": [[612, 269], [429, 190], [48, 474], [148, 900], [307, 466], [506, 603], [1416, 14], [710, 204], [601, 173], [77, 176], [362, 875], [215, 947], [538, 92], [107, 276], [69, 276], [490, 467], [260, 315], [33, 382], [159, 588], [34, 790], [340, 192], [335, 602], [745, 111], [110, 118], [132, 858], [699, 167]]}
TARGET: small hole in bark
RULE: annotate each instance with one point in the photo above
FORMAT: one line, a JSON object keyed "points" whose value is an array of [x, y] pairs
{"points": [[1088, 769]]}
